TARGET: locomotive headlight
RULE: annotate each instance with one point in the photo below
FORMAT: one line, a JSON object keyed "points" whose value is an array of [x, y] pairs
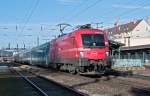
{"points": [[106, 43], [107, 53], [81, 54]]}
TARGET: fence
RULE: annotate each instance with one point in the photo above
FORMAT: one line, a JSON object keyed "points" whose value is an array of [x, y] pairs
{"points": [[130, 59], [128, 63]]}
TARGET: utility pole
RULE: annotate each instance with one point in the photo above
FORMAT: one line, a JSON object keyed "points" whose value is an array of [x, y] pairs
{"points": [[117, 21], [116, 24], [38, 41], [41, 28], [8, 45], [24, 46], [17, 46], [16, 28]]}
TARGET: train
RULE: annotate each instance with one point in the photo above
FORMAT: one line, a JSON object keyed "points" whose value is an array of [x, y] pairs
{"points": [[81, 51], [35, 56]]}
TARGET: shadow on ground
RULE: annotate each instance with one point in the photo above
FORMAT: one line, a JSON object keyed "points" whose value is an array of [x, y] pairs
{"points": [[140, 91]]}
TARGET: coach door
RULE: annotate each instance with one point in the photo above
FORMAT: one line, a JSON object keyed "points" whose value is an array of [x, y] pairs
{"points": [[74, 50]]}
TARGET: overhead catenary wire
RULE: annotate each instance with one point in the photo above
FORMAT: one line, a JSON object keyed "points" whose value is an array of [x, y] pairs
{"points": [[135, 9], [27, 12], [124, 13], [75, 8], [30, 14], [107, 12], [85, 9]]}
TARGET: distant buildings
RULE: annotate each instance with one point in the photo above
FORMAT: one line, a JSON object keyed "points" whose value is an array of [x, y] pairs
{"points": [[7, 54]]}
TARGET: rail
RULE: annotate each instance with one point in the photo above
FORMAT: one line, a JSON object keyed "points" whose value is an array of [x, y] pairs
{"points": [[42, 92], [32, 84]]}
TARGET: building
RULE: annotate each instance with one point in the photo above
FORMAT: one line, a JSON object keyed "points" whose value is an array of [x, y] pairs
{"points": [[6, 56], [133, 33]]}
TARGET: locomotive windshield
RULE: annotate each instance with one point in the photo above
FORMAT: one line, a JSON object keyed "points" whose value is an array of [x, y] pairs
{"points": [[93, 40]]}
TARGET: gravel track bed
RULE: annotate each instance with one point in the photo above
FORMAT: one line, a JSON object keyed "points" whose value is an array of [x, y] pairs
{"points": [[95, 86]]}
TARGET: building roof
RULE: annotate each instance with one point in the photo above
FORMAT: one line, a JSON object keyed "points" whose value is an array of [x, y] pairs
{"points": [[124, 27], [114, 44], [140, 47]]}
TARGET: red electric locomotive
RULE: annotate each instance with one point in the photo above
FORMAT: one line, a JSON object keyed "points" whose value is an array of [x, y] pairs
{"points": [[82, 51]]}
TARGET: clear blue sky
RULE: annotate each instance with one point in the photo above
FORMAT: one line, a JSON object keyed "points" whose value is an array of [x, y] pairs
{"points": [[34, 13]]}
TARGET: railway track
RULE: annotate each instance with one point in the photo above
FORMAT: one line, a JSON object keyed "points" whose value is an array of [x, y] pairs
{"points": [[101, 85], [13, 85], [49, 88], [21, 83], [44, 86], [33, 85]]}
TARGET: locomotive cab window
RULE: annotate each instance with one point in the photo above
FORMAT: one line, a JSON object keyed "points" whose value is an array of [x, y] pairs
{"points": [[93, 40]]}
